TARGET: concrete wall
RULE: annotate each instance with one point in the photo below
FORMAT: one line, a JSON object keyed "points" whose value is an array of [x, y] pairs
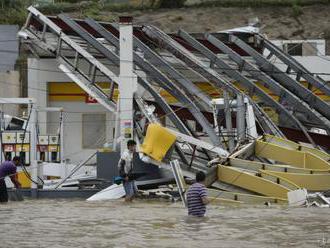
{"points": [[318, 45], [9, 47], [319, 63], [10, 87], [73, 148], [315, 64], [42, 71]]}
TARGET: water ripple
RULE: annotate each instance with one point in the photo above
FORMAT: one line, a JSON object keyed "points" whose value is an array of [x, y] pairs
{"points": [[76, 223]]}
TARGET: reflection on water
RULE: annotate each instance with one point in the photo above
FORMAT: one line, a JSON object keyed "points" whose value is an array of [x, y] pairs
{"points": [[76, 223]]}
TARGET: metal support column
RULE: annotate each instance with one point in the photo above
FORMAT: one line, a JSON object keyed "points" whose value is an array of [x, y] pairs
{"points": [[229, 125], [240, 119]]}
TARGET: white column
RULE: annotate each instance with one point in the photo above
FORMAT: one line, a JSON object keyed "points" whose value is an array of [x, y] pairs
{"points": [[39, 73], [61, 137], [251, 122], [117, 128], [33, 149], [128, 80]]}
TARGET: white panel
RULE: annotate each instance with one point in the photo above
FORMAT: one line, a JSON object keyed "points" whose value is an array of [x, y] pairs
{"points": [[21, 136], [8, 137], [53, 140], [43, 140]]}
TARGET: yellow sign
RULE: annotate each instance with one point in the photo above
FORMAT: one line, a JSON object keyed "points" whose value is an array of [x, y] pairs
{"points": [[53, 148], [23, 148]]}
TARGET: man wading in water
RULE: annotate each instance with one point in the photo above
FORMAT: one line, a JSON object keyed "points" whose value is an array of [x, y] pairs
{"points": [[197, 196], [125, 166], [8, 168]]}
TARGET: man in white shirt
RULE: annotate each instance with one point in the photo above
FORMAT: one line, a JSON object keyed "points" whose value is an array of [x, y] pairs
{"points": [[125, 167]]}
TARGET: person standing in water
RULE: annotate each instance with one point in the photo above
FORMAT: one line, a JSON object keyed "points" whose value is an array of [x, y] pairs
{"points": [[125, 166], [197, 196]]}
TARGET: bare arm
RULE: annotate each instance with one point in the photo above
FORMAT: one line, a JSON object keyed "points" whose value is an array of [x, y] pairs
{"points": [[205, 200], [15, 181]]}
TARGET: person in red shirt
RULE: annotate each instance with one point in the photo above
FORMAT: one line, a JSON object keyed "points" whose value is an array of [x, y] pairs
{"points": [[8, 168]]}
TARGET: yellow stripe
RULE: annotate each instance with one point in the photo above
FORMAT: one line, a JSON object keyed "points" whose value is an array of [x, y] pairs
{"points": [[314, 182], [256, 166], [56, 88], [289, 156], [242, 197], [70, 91]]}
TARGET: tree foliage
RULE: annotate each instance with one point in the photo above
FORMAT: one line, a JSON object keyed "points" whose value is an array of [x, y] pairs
{"points": [[171, 3]]}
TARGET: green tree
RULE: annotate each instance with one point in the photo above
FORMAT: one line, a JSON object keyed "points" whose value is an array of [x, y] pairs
{"points": [[171, 3]]}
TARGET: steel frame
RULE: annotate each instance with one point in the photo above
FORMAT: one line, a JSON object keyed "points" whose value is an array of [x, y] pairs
{"points": [[296, 88], [293, 64], [273, 85]]}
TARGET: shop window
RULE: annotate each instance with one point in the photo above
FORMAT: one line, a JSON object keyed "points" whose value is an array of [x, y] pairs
{"points": [[294, 49]]}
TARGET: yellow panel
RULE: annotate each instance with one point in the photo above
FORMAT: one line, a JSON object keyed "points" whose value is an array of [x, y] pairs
{"points": [[313, 161], [317, 92], [280, 141], [22, 178], [243, 198], [203, 86], [209, 89], [157, 142], [278, 180], [53, 148], [67, 91], [289, 156], [254, 165], [295, 146], [325, 156], [251, 182], [220, 200], [24, 148], [271, 114], [281, 154], [168, 97], [314, 182]]}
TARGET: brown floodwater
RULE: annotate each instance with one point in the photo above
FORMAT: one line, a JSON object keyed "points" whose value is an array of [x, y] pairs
{"points": [[77, 223]]}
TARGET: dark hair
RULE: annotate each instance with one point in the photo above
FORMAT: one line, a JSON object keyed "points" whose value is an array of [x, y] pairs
{"points": [[16, 158], [200, 176], [131, 143]]}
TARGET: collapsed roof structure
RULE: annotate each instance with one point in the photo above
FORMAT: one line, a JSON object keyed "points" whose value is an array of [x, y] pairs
{"points": [[231, 65]]}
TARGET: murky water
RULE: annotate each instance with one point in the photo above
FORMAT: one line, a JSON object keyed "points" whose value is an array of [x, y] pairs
{"points": [[76, 223]]}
